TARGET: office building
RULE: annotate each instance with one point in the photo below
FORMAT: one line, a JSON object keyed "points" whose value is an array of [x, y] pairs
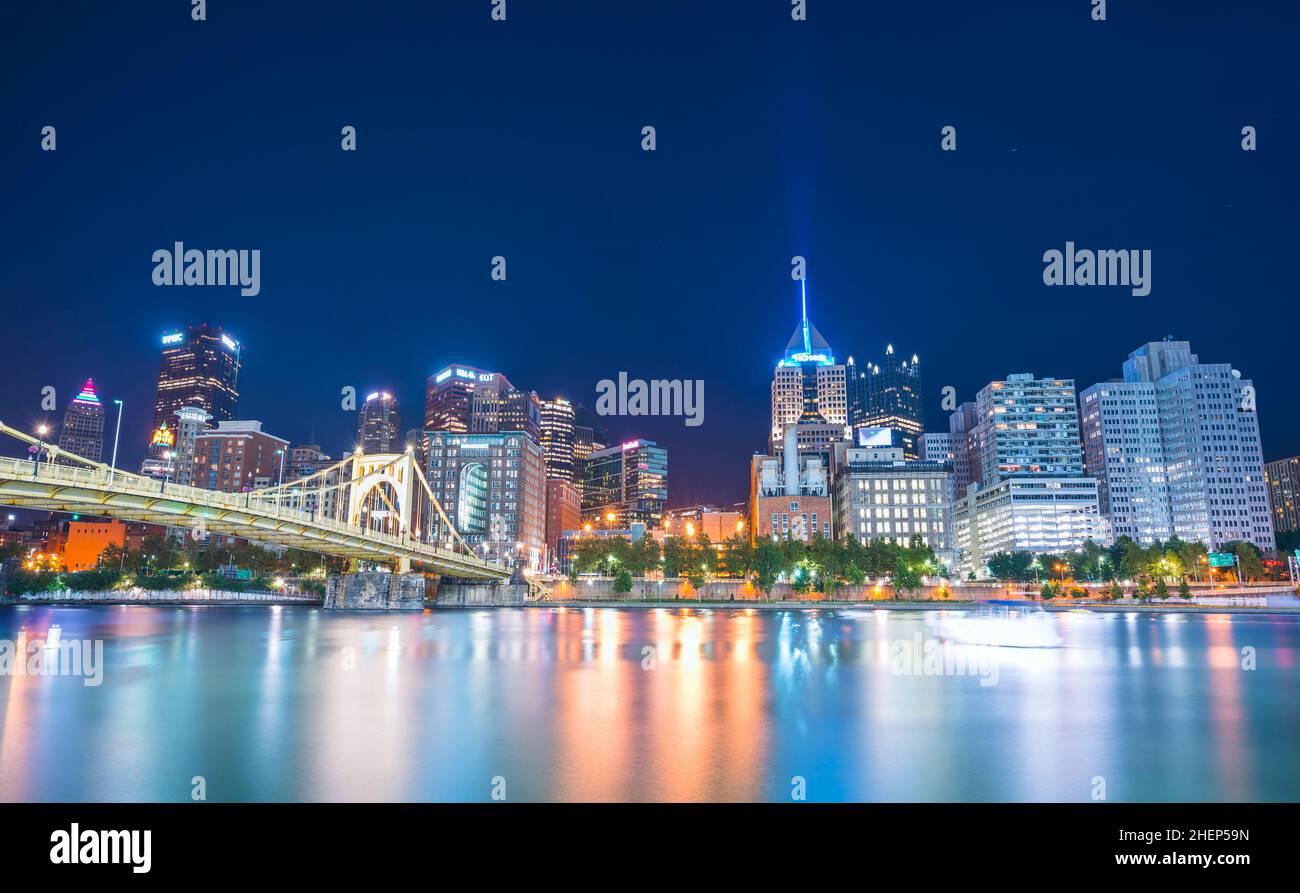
{"points": [[1029, 491], [83, 426], [379, 429], [1027, 425], [191, 421], [1176, 446], [520, 411], [893, 401], [200, 368], [1030, 513], [808, 386], [1284, 493], [629, 481], [464, 399], [563, 512], [493, 489], [238, 456], [880, 494], [557, 439]]}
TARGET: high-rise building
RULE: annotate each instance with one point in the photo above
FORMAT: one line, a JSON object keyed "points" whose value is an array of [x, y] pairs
{"points": [[557, 439], [629, 480], [237, 456], [1284, 493], [379, 429], [563, 512], [469, 400], [521, 411], [942, 448], [880, 494], [589, 436], [190, 423], [464, 399], [893, 401], [1176, 446], [200, 368], [1028, 425], [83, 426], [493, 489], [808, 386], [1030, 493]]}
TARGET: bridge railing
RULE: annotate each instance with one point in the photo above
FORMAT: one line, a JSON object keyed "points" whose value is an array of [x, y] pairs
{"points": [[127, 483]]}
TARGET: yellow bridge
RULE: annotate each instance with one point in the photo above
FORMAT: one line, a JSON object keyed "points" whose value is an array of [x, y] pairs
{"points": [[290, 514]]}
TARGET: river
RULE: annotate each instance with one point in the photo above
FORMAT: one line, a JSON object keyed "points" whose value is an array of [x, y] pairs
{"points": [[607, 704]]}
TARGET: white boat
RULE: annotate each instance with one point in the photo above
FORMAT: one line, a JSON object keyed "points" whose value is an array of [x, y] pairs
{"points": [[1003, 624]]}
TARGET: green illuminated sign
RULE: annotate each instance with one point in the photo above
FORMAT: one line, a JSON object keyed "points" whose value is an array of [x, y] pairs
{"points": [[1222, 559]]}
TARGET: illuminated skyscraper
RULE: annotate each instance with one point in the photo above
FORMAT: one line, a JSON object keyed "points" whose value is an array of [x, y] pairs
{"points": [[83, 425], [200, 368], [808, 388], [629, 481], [557, 439], [379, 430], [893, 401]]}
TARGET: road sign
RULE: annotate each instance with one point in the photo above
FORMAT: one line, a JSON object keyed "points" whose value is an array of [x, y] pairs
{"points": [[1222, 559]]}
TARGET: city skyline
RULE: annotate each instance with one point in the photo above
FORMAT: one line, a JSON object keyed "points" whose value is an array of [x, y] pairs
{"points": [[935, 252]]}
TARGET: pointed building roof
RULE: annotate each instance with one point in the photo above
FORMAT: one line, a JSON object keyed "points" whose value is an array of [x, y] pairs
{"points": [[87, 394], [807, 345]]}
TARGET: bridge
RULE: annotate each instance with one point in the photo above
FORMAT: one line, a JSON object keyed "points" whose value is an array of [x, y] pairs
{"points": [[363, 508]]}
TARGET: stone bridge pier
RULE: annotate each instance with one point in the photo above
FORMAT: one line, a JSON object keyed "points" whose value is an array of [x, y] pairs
{"points": [[375, 591]]}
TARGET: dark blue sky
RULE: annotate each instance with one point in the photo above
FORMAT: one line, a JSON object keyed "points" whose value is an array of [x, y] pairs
{"points": [[522, 139]]}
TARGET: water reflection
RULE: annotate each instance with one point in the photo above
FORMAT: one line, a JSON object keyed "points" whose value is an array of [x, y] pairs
{"points": [[674, 705]]}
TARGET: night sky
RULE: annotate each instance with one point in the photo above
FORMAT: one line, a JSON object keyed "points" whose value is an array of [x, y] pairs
{"points": [[523, 139]]}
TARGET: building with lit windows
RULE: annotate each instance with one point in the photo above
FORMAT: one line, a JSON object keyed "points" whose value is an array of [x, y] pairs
{"points": [[464, 399], [891, 387], [493, 489], [557, 439], [1030, 493], [629, 481], [237, 456], [789, 493], [808, 386], [563, 512], [1284, 493], [200, 368], [83, 426], [880, 494], [1176, 446], [191, 421], [379, 428]]}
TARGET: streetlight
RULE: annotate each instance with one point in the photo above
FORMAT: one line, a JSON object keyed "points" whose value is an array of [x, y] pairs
{"points": [[167, 473], [112, 468], [41, 431], [610, 517]]}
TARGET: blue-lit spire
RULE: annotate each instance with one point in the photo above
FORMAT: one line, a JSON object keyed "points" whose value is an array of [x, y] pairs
{"points": [[807, 344]]}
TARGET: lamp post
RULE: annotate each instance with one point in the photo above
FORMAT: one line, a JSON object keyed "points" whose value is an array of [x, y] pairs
{"points": [[41, 431], [112, 468]]}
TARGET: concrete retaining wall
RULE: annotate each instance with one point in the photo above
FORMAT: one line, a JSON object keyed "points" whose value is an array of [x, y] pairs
{"points": [[171, 596], [743, 591]]}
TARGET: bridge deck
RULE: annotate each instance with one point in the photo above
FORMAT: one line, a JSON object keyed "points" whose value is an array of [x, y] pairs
{"points": [[134, 498]]}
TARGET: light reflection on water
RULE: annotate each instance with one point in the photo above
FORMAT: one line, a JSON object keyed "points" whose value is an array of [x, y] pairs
{"points": [[295, 703]]}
